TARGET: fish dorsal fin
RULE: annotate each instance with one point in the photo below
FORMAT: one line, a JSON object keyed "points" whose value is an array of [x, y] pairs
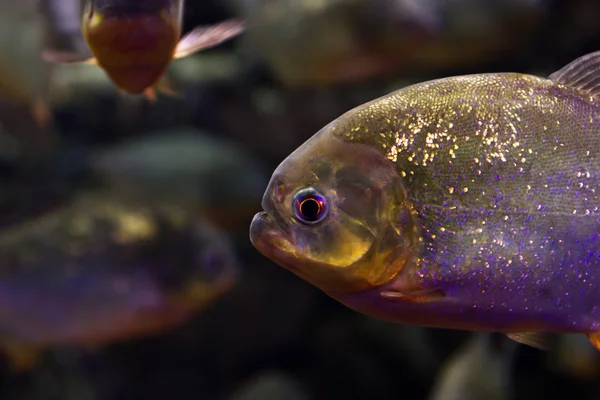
{"points": [[582, 74]]}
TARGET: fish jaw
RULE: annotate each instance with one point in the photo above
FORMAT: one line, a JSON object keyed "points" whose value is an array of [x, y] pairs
{"points": [[270, 241]]}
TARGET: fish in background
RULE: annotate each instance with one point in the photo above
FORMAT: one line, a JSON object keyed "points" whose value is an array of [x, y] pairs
{"points": [[468, 202], [106, 267], [134, 41], [187, 165], [341, 41], [24, 77], [479, 370]]}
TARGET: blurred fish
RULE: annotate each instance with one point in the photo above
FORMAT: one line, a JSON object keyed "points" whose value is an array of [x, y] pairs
{"points": [[24, 77], [340, 41], [105, 268], [480, 370], [469, 202], [134, 41], [187, 165]]}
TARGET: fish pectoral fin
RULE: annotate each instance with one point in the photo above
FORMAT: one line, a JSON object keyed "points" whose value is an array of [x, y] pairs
{"points": [[65, 57], [418, 296], [539, 340], [204, 37], [21, 357], [582, 74]]}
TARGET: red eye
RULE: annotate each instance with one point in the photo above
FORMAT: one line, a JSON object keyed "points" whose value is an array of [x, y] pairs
{"points": [[310, 206]]}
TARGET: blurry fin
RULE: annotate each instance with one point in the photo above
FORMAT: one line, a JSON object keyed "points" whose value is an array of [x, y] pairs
{"points": [[204, 37], [20, 357], [419, 296], [63, 57], [42, 113], [150, 94], [163, 86], [582, 74], [539, 340], [594, 339]]}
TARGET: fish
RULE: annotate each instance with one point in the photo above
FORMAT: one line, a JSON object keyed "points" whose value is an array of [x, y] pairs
{"points": [[468, 202], [190, 167], [479, 370], [134, 41], [338, 42], [103, 268], [24, 77]]}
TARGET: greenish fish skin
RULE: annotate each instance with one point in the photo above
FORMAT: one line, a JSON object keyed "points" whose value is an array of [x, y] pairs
{"points": [[469, 202]]}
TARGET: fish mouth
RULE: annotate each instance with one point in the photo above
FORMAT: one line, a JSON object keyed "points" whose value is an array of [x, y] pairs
{"points": [[269, 239]]}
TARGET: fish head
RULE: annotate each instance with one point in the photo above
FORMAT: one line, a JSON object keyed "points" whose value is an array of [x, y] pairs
{"points": [[214, 267], [336, 215]]}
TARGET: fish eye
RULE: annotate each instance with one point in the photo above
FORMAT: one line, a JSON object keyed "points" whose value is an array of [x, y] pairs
{"points": [[310, 207]]}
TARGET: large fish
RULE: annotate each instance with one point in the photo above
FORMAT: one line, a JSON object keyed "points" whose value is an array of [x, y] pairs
{"points": [[134, 41], [470, 202], [103, 268]]}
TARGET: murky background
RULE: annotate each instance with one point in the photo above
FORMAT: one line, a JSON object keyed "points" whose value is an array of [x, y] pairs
{"points": [[126, 271]]}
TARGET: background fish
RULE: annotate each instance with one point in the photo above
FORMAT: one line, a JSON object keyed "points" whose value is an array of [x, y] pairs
{"points": [[103, 268], [185, 165], [468, 202], [134, 42], [344, 41], [24, 77], [479, 370]]}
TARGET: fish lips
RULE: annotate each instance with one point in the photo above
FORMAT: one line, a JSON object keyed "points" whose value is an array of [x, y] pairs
{"points": [[269, 239]]}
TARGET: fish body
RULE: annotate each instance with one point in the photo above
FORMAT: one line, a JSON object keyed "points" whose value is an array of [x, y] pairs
{"points": [[467, 202], [343, 41], [134, 42], [24, 77], [133, 46], [104, 268]]}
